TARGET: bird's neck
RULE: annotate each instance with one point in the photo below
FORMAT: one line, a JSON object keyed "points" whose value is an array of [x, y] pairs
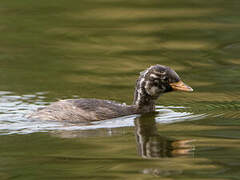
{"points": [[143, 102]]}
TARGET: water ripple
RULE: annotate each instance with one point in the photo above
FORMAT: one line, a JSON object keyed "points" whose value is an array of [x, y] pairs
{"points": [[13, 108]]}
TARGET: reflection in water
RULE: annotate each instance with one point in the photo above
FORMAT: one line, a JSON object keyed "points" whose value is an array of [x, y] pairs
{"points": [[152, 145]]}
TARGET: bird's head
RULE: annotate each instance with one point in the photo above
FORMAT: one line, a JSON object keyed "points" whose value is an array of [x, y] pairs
{"points": [[157, 80]]}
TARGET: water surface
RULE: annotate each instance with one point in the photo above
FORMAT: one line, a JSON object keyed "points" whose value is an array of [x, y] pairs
{"points": [[54, 50]]}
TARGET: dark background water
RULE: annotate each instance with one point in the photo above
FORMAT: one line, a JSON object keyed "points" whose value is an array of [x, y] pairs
{"points": [[58, 49]]}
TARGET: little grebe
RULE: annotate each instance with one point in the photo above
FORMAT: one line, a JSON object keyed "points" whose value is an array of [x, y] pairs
{"points": [[150, 85]]}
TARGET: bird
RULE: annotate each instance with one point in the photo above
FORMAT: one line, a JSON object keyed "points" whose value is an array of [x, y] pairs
{"points": [[151, 83]]}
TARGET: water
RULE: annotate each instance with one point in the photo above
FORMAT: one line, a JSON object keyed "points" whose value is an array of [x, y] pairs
{"points": [[54, 50], [15, 109]]}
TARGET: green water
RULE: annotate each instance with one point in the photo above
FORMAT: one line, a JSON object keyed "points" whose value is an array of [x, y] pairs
{"points": [[58, 49]]}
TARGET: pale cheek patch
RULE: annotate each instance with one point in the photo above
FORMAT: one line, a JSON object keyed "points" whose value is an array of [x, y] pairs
{"points": [[153, 91]]}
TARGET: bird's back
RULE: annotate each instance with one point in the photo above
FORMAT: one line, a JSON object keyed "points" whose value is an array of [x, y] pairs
{"points": [[83, 110]]}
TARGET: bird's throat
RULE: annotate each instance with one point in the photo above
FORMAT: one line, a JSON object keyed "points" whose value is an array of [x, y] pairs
{"points": [[145, 104]]}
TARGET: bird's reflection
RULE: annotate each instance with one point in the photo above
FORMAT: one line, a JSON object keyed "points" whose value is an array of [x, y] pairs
{"points": [[152, 145]]}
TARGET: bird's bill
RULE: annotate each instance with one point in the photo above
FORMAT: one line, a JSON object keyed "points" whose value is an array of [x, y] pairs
{"points": [[180, 86]]}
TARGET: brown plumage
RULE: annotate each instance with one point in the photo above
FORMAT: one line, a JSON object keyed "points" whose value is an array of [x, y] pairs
{"points": [[151, 83]]}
